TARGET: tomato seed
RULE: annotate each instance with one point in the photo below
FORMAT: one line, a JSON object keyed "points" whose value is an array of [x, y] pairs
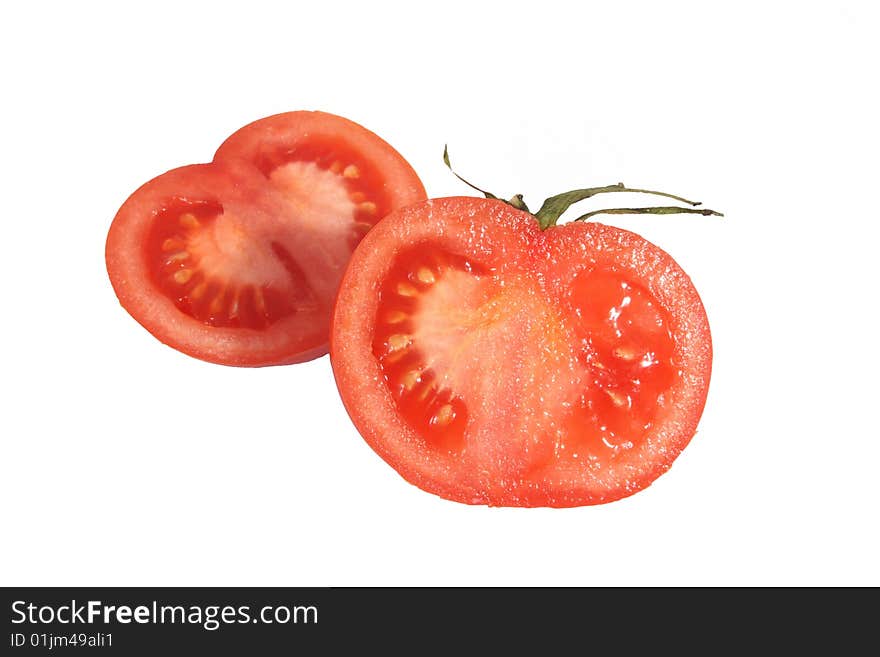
{"points": [[399, 341], [618, 398], [233, 306], [259, 301], [188, 220], [198, 290], [425, 275], [444, 415], [395, 317], [625, 353], [406, 290], [410, 379], [217, 303]]}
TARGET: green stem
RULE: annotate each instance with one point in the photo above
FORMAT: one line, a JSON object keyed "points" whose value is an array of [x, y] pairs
{"points": [[655, 210], [555, 206], [622, 188], [469, 184]]}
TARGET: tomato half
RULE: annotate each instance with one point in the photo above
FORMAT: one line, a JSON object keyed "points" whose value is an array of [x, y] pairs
{"points": [[491, 362], [238, 261]]}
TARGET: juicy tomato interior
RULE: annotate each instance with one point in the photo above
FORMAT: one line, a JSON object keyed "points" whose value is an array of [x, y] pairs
{"points": [[450, 333], [625, 345], [210, 264], [421, 378]]}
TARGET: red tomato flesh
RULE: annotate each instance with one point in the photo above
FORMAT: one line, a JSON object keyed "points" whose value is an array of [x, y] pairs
{"points": [[491, 362], [237, 262]]}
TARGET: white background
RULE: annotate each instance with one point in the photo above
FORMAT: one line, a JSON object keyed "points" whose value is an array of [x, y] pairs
{"points": [[124, 462]]}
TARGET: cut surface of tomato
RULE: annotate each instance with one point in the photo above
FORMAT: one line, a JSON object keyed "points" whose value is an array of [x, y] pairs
{"points": [[238, 261], [491, 362]]}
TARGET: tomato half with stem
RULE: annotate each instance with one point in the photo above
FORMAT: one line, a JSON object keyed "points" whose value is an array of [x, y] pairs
{"points": [[238, 261], [492, 362]]}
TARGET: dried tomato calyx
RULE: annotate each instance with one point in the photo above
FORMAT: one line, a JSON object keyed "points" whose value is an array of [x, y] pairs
{"points": [[555, 206]]}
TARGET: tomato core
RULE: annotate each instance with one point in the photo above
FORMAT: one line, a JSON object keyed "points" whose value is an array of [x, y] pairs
{"points": [[328, 178]]}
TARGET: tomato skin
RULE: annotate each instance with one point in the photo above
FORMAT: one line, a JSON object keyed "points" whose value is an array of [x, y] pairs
{"points": [[274, 230], [511, 244]]}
